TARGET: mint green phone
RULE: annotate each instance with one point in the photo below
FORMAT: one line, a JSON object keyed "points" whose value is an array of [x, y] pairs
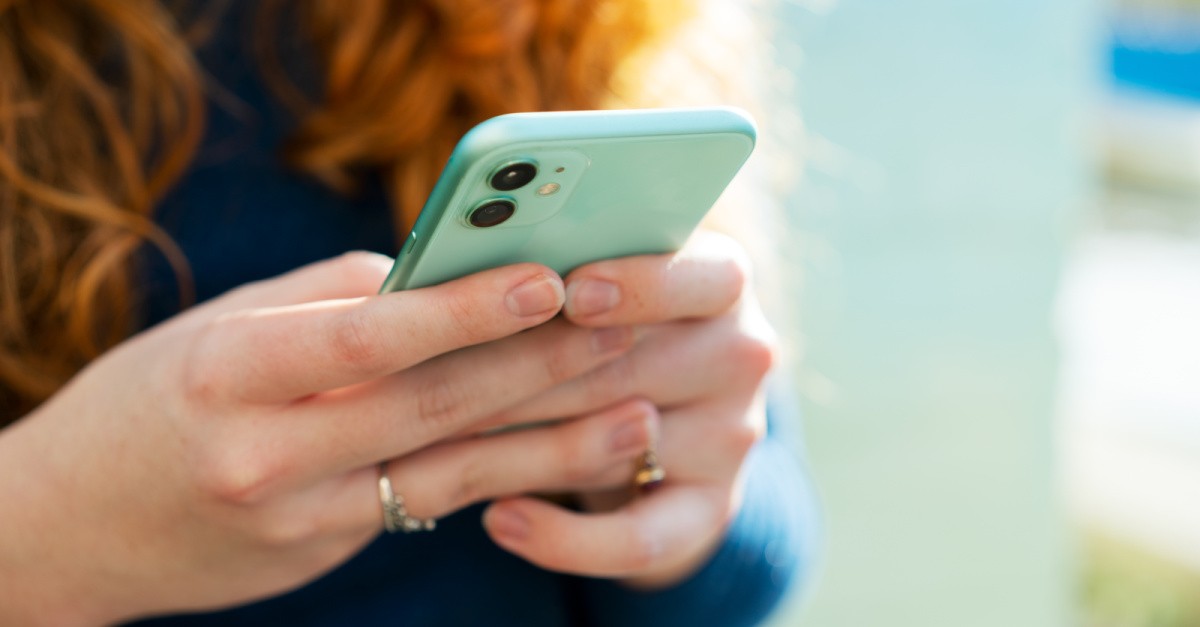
{"points": [[568, 188]]}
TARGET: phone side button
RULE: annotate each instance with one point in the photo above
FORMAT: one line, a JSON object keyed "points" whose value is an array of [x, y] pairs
{"points": [[409, 243]]}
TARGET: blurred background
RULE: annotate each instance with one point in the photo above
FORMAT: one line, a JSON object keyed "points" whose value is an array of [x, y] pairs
{"points": [[997, 231]]}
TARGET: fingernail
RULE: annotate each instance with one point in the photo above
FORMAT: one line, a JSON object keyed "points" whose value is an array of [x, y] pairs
{"points": [[590, 297], [631, 435], [535, 296], [508, 523], [611, 339]]}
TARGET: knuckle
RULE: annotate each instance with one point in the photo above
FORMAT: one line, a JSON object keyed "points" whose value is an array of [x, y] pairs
{"points": [[473, 484], [756, 352], [615, 380], [560, 365], [442, 404], [462, 316], [562, 353], [574, 463], [737, 272], [356, 339], [234, 475], [731, 262], [203, 378], [742, 437]]}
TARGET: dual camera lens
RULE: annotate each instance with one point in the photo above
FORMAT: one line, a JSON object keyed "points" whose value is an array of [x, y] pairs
{"points": [[510, 177], [492, 212], [513, 176]]}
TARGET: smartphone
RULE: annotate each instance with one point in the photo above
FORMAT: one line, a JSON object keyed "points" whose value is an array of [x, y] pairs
{"points": [[568, 188]]}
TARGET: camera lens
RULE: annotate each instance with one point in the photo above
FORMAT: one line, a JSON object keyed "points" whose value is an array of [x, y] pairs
{"points": [[513, 176], [492, 212]]}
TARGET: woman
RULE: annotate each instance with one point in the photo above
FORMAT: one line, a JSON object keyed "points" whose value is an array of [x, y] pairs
{"points": [[233, 460]]}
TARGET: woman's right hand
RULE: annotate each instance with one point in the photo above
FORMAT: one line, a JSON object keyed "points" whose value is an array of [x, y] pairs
{"points": [[231, 453]]}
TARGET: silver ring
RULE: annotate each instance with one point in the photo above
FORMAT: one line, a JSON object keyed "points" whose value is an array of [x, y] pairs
{"points": [[395, 515]]}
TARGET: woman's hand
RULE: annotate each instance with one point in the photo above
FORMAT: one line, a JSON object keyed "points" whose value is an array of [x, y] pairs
{"points": [[705, 348], [231, 453]]}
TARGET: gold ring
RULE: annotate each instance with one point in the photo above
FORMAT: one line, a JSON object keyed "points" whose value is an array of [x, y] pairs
{"points": [[650, 474]]}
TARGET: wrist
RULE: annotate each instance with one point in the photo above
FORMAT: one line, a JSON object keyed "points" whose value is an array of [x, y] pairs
{"points": [[41, 578]]}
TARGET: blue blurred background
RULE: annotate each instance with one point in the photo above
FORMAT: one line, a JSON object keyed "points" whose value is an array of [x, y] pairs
{"points": [[997, 240]]}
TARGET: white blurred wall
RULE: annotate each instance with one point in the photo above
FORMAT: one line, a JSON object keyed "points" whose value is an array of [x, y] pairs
{"points": [[946, 166]]}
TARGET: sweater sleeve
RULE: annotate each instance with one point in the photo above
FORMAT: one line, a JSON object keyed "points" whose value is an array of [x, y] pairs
{"points": [[767, 552]]}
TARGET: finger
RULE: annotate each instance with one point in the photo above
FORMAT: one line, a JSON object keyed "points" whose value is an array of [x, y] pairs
{"points": [[704, 279], [351, 275], [709, 442], [701, 444], [283, 353], [393, 416], [672, 364], [650, 534], [570, 456]]}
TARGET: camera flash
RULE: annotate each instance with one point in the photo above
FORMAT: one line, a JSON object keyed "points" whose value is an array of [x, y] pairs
{"points": [[548, 189]]}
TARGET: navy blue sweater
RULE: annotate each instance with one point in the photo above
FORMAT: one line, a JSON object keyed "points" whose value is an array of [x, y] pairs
{"points": [[240, 215]]}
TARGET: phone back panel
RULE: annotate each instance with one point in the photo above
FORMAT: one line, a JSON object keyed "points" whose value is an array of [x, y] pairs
{"points": [[620, 183]]}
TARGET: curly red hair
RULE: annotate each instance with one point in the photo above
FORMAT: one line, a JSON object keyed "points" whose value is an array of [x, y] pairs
{"points": [[102, 108]]}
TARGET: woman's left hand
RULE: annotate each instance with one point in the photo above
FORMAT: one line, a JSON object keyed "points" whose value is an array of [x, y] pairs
{"points": [[705, 351]]}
